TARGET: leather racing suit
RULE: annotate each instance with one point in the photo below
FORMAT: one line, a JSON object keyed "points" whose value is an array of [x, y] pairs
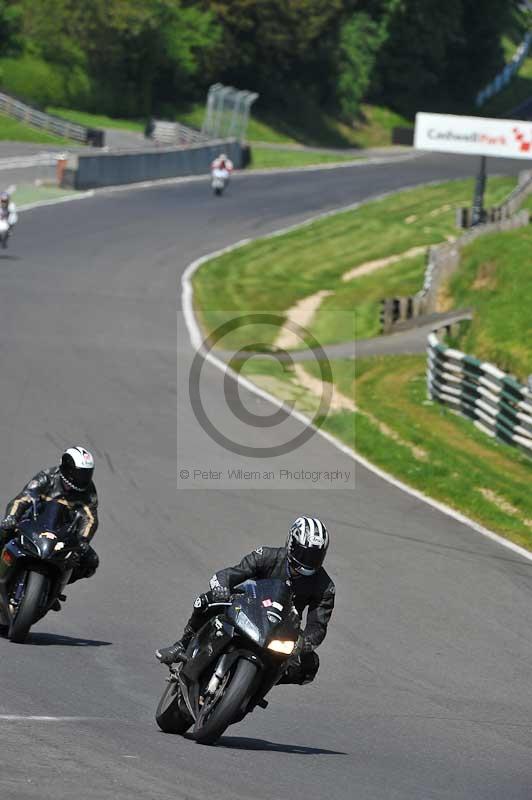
{"points": [[9, 213], [315, 593], [48, 485]]}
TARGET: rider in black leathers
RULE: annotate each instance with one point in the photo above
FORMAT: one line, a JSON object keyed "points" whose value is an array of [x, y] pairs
{"points": [[71, 483], [313, 590]]}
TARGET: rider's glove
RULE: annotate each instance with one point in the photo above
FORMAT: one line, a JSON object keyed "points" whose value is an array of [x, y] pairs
{"points": [[220, 594], [8, 523]]}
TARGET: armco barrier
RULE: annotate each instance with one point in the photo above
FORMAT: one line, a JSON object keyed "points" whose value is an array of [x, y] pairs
{"points": [[174, 133], [509, 206], [495, 401], [61, 127], [110, 169]]}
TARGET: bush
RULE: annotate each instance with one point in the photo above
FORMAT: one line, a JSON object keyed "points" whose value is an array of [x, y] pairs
{"points": [[33, 80], [42, 84], [360, 39]]}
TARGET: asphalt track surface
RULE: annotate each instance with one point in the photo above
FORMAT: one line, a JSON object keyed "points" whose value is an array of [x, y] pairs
{"points": [[424, 690]]}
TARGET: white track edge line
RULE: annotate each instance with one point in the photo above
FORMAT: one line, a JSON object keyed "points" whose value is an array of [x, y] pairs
{"points": [[196, 339]]}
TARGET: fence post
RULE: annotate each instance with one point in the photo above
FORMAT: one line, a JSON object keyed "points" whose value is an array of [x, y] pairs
{"points": [[478, 213]]}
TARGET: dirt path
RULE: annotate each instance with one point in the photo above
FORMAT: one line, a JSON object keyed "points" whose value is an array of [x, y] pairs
{"points": [[301, 315]]}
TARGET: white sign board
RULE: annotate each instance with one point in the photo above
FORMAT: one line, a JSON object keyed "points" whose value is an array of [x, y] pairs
{"points": [[482, 136]]}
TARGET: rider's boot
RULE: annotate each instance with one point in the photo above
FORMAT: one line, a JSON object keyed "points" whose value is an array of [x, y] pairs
{"points": [[56, 605], [176, 652]]}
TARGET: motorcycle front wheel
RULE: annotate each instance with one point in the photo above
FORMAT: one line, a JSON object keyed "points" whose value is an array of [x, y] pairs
{"points": [[30, 606], [215, 718]]}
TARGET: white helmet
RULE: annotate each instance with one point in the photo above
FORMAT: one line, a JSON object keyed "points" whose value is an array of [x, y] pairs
{"points": [[307, 545]]}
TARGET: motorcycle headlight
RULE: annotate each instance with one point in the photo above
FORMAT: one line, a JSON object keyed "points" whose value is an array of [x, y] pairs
{"points": [[247, 626], [279, 646]]}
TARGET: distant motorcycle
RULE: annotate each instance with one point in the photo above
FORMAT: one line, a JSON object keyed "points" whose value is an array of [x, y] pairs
{"points": [[219, 181], [232, 662], [36, 565], [5, 231], [8, 218]]}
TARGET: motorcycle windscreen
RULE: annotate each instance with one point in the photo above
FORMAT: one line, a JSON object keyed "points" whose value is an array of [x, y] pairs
{"points": [[263, 607], [54, 521]]}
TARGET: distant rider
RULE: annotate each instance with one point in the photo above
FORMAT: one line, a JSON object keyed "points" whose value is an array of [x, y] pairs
{"points": [[8, 210], [222, 163], [71, 483], [301, 562]]}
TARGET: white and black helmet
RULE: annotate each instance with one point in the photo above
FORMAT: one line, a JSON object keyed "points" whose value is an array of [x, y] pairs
{"points": [[307, 545], [77, 468]]}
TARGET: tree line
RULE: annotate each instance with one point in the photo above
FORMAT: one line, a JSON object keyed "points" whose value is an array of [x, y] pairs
{"points": [[138, 57]]}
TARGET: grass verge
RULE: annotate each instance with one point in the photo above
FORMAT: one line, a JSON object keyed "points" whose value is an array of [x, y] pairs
{"points": [[30, 193], [314, 257], [11, 130], [267, 158]]}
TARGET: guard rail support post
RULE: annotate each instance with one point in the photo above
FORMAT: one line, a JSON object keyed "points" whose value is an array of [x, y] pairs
{"points": [[396, 309], [478, 213], [417, 305], [386, 314]]}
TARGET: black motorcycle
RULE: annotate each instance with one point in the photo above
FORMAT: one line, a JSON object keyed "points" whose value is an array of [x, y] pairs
{"points": [[232, 662], [36, 565]]}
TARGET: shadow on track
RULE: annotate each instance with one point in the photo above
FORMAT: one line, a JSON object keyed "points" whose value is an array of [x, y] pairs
{"points": [[46, 639], [243, 743]]}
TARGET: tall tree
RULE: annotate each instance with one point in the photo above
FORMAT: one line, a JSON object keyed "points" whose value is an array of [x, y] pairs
{"points": [[274, 45], [436, 55], [132, 51], [359, 42]]}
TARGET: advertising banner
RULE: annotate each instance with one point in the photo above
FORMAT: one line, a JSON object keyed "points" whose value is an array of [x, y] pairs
{"points": [[481, 136]]}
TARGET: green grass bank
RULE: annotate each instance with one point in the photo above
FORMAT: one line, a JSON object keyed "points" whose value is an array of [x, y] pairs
{"points": [[315, 258]]}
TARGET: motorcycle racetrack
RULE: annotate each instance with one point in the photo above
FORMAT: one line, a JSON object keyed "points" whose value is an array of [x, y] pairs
{"points": [[424, 686]]}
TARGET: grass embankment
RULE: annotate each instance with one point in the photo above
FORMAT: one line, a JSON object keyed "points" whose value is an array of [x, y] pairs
{"points": [[422, 443], [274, 273], [11, 130], [313, 127], [97, 120], [495, 279], [266, 158]]}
